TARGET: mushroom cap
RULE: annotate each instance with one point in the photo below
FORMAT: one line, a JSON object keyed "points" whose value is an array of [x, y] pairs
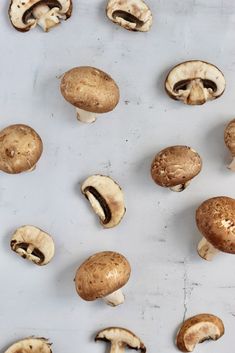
{"points": [[229, 137], [216, 221], [30, 345], [20, 148], [175, 165], [101, 275], [90, 89]]}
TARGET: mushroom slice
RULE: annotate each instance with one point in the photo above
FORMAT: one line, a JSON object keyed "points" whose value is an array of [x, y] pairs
{"points": [[198, 329], [106, 198], [26, 14], [33, 244], [229, 139], [30, 345], [133, 15], [195, 82], [120, 338]]}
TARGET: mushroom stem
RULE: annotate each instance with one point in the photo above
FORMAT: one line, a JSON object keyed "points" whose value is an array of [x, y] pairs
{"points": [[231, 166], [117, 347], [206, 250], [46, 17], [180, 187], [85, 117], [115, 298]]}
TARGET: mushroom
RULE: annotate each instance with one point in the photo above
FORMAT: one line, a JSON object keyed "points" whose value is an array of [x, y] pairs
{"points": [[175, 166], [91, 91], [195, 82], [106, 198], [198, 329], [102, 276], [30, 345], [120, 338], [229, 139], [133, 15], [216, 221], [20, 149], [26, 14], [33, 244]]}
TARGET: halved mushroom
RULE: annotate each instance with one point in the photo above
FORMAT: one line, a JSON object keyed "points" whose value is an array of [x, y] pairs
{"points": [[106, 198], [20, 149], [195, 82], [30, 345], [175, 166], [119, 339], [198, 329], [33, 244], [133, 15], [26, 14], [229, 139]]}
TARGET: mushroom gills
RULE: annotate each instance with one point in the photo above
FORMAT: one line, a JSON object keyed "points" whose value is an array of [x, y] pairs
{"points": [[98, 204], [180, 187], [125, 17], [28, 251], [206, 250], [85, 116], [115, 298]]}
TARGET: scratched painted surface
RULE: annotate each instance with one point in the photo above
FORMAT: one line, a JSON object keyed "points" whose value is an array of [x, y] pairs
{"points": [[158, 234]]}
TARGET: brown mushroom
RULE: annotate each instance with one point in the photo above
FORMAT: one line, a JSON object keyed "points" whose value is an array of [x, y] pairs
{"points": [[195, 82], [30, 345], [197, 329], [20, 149], [91, 91], [229, 139], [216, 221], [175, 166], [102, 276]]}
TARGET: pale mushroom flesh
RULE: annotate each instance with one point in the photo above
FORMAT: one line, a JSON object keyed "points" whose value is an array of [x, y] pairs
{"points": [[30, 345], [229, 139]]}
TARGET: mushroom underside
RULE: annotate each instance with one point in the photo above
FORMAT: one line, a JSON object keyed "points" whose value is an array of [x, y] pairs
{"points": [[99, 204], [128, 17], [28, 14]]}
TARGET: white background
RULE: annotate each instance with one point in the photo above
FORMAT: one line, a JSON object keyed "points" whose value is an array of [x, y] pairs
{"points": [[158, 234]]}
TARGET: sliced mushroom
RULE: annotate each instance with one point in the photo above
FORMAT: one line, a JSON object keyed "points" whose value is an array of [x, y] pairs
{"points": [[133, 15], [33, 244], [119, 339], [102, 276], [229, 139], [175, 166], [195, 82], [198, 329], [106, 198], [30, 345], [26, 14]]}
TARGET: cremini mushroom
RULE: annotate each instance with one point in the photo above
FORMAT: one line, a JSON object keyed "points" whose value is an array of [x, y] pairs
{"points": [[20, 149], [119, 339], [26, 14], [133, 15], [195, 82], [106, 198], [197, 329], [91, 91], [33, 244], [216, 221], [175, 166], [30, 345], [229, 139], [102, 276]]}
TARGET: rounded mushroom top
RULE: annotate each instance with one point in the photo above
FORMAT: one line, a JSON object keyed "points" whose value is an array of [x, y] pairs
{"points": [[90, 89], [229, 136], [175, 165], [101, 275], [216, 221], [20, 148], [30, 345]]}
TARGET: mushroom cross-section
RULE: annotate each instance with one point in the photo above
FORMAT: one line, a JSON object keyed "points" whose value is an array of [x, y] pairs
{"points": [[106, 198], [195, 82], [119, 339], [30, 345], [133, 15], [102, 276], [175, 166], [198, 329], [33, 244], [216, 221], [229, 139], [26, 14]]}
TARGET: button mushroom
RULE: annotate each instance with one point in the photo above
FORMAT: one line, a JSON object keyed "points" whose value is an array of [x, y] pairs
{"points": [[133, 15], [198, 329], [216, 221], [120, 338], [20, 149], [175, 166], [26, 14], [195, 82], [229, 139], [91, 91], [33, 244], [106, 198], [102, 276], [30, 345]]}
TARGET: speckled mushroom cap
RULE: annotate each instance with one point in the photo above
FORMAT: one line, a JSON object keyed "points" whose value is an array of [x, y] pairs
{"points": [[101, 275], [229, 136], [175, 165], [216, 221], [90, 89]]}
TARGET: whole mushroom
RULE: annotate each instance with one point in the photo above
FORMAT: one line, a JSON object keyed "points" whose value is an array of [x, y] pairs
{"points": [[91, 91], [102, 276], [174, 167], [229, 139], [30, 345]]}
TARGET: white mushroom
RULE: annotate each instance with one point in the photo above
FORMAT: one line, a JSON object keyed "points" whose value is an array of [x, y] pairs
{"points": [[30, 345]]}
